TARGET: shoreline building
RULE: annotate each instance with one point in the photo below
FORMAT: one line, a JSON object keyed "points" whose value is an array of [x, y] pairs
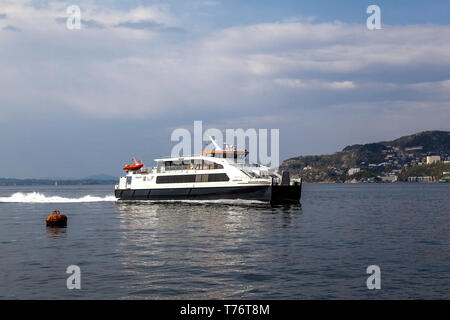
{"points": [[433, 159], [420, 179], [389, 178], [352, 171]]}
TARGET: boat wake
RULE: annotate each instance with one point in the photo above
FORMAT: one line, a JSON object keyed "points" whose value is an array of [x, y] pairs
{"points": [[36, 197]]}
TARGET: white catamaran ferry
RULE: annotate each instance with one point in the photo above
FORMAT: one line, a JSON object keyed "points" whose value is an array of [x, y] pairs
{"points": [[214, 175]]}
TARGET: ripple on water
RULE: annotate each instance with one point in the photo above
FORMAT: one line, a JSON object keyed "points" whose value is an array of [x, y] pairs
{"points": [[216, 251]]}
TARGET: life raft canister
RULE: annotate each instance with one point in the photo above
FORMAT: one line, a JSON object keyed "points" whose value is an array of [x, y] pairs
{"points": [[56, 219]]}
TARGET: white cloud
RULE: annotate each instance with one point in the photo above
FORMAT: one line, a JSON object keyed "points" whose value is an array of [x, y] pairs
{"points": [[298, 83], [116, 72], [45, 19]]}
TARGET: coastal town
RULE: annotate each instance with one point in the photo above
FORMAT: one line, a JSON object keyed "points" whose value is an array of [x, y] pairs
{"points": [[399, 161]]}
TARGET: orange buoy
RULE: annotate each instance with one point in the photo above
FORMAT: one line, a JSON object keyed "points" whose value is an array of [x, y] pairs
{"points": [[56, 219]]}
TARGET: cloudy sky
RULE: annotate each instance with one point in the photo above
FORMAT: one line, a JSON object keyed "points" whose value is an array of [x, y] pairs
{"points": [[74, 103]]}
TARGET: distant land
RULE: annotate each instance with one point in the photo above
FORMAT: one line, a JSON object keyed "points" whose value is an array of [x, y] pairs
{"points": [[100, 179], [421, 157]]}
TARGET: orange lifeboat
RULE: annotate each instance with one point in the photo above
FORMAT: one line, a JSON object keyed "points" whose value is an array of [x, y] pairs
{"points": [[133, 167], [56, 219]]}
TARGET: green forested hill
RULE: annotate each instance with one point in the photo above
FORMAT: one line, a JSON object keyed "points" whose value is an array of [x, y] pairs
{"points": [[377, 157]]}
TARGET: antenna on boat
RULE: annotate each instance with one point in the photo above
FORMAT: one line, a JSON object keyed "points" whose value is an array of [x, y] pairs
{"points": [[136, 161], [215, 143]]}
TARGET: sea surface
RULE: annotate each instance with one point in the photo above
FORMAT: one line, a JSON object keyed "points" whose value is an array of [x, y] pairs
{"points": [[239, 250]]}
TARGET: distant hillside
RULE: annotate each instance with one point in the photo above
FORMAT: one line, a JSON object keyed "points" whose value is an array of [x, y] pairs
{"points": [[377, 158], [435, 142], [103, 177]]}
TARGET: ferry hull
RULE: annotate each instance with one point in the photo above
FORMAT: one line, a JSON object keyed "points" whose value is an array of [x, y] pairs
{"points": [[276, 195], [286, 194], [260, 193]]}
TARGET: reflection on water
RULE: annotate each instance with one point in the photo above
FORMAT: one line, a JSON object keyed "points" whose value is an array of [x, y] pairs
{"points": [[293, 208], [56, 232], [193, 246], [140, 207]]}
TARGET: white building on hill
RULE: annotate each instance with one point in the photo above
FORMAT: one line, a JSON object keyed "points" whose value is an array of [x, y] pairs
{"points": [[433, 159]]}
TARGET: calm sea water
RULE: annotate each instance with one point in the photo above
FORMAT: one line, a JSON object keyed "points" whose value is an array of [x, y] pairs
{"points": [[228, 251]]}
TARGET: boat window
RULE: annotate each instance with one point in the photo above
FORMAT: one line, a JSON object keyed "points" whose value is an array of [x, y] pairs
{"points": [[188, 178], [191, 165], [198, 164], [218, 177], [208, 165], [177, 165], [201, 178], [205, 165], [129, 180], [185, 178]]}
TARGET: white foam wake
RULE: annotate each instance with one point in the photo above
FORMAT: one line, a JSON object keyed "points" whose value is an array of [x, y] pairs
{"points": [[35, 197]]}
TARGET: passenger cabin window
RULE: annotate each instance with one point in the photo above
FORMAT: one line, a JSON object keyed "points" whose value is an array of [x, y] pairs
{"points": [[228, 155], [177, 165], [192, 165], [190, 178]]}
